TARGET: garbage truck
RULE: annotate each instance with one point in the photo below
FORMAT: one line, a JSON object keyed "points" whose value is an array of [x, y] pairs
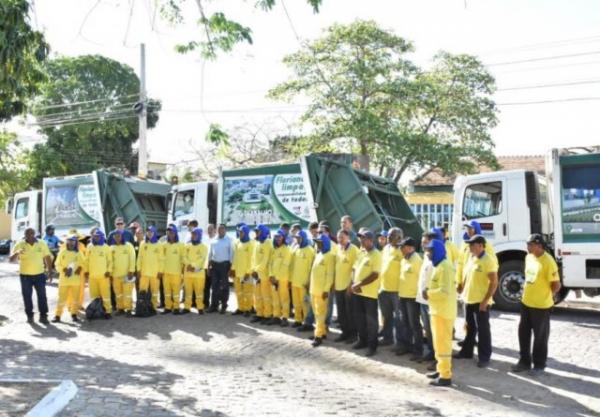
{"points": [[89, 200], [314, 188], [563, 205]]}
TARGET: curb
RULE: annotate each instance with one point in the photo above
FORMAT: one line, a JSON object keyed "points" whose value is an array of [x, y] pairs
{"points": [[55, 400]]}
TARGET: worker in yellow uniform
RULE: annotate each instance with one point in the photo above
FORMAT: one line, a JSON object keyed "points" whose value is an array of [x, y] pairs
{"points": [[441, 294], [98, 269], [542, 282], [410, 310], [365, 286], [261, 258], [472, 228], [150, 264], [480, 284], [303, 256], [241, 268], [69, 264], [173, 261], [279, 277], [391, 256], [345, 258], [123, 272], [452, 252], [321, 280], [194, 276]]}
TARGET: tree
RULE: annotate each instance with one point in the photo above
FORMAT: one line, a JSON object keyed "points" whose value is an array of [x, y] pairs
{"points": [[22, 52], [85, 109], [369, 98], [14, 175], [219, 32]]}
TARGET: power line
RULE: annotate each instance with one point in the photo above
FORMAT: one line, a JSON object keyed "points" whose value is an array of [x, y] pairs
{"points": [[548, 67], [70, 122], [541, 45], [53, 106], [289, 19], [561, 100], [83, 112], [546, 58], [561, 84]]}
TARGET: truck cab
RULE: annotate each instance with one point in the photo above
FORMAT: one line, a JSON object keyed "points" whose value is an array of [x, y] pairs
{"points": [[192, 201], [25, 211], [509, 205]]}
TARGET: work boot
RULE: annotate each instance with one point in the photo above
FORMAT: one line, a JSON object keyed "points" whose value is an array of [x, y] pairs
{"points": [[176, 312], [433, 375], [237, 312], [75, 318], [44, 319], [441, 382], [107, 316], [460, 355], [56, 319], [284, 323], [483, 364], [223, 310], [371, 352], [200, 312], [30, 319], [185, 311], [256, 319], [317, 342], [400, 350], [165, 311], [296, 324], [306, 328], [247, 314], [520, 367], [359, 345]]}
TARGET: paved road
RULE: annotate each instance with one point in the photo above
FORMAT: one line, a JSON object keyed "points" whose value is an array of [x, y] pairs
{"points": [[220, 365]]}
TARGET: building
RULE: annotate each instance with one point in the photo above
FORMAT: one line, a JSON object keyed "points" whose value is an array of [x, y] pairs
{"points": [[431, 197]]}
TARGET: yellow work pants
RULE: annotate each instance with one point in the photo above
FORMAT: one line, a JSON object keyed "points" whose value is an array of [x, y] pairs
{"points": [[123, 291], [151, 284], [67, 295], [262, 297], [100, 288], [243, 293], [193, 283], [172, 287], [281, 300], [78, 296], [442, 344], [300, 307], [320, 311]]}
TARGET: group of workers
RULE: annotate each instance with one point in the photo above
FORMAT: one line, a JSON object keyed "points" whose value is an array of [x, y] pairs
{"points": [[295, 275]]}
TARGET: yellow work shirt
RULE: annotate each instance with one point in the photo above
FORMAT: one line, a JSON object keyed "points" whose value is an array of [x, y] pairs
{"points": [[344, 262], [410, 268], [150, 259], [31, 261], [390, 268], [195, 256], [242, 258], [69, 259], [321, 276], [261, 257], [173, 254], [463, 257], [302, 260], [539, 274], [441, 293], [123, 257], [279, 267], [98, 260], [452, 253], [477, 281], [366, 264]]}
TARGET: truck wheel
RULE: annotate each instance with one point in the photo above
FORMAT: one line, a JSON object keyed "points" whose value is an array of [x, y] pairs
{"points": [[511, 278]]}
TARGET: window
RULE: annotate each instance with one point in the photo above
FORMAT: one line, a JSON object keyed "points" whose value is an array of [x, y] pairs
{"points": [[184, 203], [482, 200], [22, 208]]}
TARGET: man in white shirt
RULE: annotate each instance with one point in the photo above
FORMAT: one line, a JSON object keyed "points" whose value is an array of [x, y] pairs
{"points": [[220, 256], [211, 234]]}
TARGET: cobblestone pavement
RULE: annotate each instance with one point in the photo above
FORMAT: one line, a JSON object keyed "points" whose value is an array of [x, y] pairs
{"points": [[221, 365]]}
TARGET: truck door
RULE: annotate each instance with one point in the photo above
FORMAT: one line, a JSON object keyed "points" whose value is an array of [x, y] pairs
{"points": [[485, 202], [24, 214]]}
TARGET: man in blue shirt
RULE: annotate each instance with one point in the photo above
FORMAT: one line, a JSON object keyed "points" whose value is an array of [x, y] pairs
{"points": [[120, 226], [220, 255]]}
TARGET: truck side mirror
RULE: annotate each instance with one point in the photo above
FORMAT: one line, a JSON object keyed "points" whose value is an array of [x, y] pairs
{"points": [[9, 205]]}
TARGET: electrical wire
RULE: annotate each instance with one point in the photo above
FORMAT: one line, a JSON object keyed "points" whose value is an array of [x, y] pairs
{"points": [[53, 106], [561, 100], [542, 45], [560, 84], [546, 58], [83, 112]]}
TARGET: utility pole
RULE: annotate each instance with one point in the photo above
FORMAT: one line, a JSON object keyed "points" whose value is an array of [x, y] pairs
{"points": [[142, 118]]}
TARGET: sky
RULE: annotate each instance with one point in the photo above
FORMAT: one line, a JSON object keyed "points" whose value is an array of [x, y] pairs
{"points": [[231, 90]]}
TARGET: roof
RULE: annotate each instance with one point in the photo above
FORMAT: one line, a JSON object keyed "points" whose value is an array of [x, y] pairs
{"points": [[529, 162]]}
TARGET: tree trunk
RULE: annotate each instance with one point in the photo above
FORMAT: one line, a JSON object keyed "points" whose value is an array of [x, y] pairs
{"points": [[363, 159]]}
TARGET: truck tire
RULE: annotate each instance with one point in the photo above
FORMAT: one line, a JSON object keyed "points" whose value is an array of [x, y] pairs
{"points": [[511, 279]]}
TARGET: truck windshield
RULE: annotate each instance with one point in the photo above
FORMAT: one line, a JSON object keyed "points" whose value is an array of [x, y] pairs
{"points": [[482, 200], [581, 202], [184, 203]]}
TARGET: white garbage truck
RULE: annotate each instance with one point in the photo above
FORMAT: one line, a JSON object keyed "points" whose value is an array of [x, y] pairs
{"points": [[563, 205]]}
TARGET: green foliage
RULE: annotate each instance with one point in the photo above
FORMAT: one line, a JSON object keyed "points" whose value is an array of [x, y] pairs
{"points": [[22, 52], [217, 136], [95, 125], [369, 98], [14, 174], [220, 34]]}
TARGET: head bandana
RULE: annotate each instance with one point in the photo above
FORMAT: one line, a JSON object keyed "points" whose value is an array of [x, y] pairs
{"points": [[326, 243], [475, 226], [303, 238], [283, 236], [439, 232], [438, 251], [101, 240], [173, 228], [154, 237], [262, 233], [246, 229], [198, 232], [73, 238]]}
